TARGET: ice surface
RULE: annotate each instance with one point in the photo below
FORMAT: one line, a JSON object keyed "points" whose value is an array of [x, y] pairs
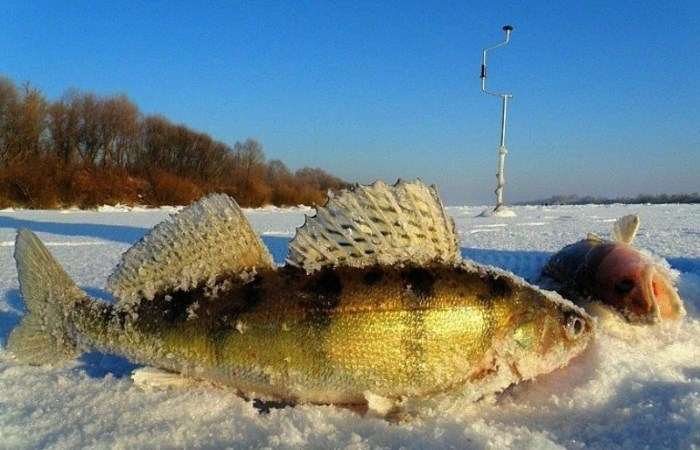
{"points": [[636, 387]]}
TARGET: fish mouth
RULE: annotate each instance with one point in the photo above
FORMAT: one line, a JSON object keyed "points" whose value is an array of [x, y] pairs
{"points": [[661, 295]]}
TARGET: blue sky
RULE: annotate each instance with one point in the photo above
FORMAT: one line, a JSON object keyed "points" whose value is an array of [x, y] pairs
{"points": [[607, 93]]}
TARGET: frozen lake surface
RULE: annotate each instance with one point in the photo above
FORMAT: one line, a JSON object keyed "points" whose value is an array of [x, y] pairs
{"points": [[635, 387]]}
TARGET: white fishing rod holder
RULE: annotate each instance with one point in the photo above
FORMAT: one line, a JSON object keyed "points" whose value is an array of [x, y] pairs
{"points": [[500, 176]]}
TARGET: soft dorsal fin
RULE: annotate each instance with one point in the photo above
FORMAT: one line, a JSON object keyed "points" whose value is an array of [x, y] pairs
{"points": [[377, 224], [206, 240], [625, 229]]}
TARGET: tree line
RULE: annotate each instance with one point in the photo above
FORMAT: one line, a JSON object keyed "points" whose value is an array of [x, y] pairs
{"points": [[87, 150], [640, 199]]}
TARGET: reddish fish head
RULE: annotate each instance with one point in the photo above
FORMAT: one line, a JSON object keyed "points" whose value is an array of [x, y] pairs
{"points": [[633, 284]]}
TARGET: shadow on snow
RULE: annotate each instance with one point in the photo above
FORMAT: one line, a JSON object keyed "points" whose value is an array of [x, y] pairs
{"points": [[117, 233]]}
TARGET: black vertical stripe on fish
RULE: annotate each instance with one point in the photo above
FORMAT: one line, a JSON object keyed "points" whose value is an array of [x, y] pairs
{"points": [[500, 287], [419, 283], [169, 308], [374, 275], [419, 288], [253, 295], [325, 290]]}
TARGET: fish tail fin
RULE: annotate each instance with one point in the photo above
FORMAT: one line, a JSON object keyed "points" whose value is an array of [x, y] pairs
{"points": [[49, 293]]}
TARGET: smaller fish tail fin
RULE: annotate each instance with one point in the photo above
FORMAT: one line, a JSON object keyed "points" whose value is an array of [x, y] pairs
{"points": [[49, 293]]}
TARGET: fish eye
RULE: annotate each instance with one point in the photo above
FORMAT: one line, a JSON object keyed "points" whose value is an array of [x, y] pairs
{"points": [[574, 325], [624, 286]]}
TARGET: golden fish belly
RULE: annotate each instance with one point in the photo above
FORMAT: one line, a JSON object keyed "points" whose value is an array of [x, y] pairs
{"points": [[333, 335]]}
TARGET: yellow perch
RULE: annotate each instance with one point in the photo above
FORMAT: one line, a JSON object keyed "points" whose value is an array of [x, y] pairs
{"points": [[374, 302]]}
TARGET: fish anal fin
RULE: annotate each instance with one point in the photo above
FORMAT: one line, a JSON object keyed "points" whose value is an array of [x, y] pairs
{"points": [[152, 378], [394, 410]]}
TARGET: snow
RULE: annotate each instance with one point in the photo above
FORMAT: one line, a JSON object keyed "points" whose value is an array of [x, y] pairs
{"points": [[635, 387]]}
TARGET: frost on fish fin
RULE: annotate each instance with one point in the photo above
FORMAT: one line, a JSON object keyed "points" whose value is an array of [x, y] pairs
{"points": [[49, 293], [206, 240], [377, 224], [625, 229], [149, 377], [391, 409]]}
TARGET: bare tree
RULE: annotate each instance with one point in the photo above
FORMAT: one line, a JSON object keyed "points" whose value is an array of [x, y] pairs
{"points": [[88, 137], [64, 120], [153, 150], [9, 98], [248, 155], [118, 131], [248, 173], [25, 125], [320, 180]]}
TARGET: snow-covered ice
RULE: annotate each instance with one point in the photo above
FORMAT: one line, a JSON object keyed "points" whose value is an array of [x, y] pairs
{"points": [[636, 387]]}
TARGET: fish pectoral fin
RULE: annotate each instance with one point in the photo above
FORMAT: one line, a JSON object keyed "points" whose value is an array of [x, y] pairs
{"points": [[152, 378], [377, 224], [207, 240], [625, 229]]}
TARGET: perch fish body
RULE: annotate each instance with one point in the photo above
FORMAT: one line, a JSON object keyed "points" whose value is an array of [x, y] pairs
{"points": [[374, 301], [616, 274]]}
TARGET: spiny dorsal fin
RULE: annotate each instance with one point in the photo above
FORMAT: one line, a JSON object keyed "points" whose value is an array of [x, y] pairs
{"points": [[625, 229], [207, 239], [377, 224]]}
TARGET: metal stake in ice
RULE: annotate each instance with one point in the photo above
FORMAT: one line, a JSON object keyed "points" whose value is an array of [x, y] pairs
{"points": [[502, 149]]}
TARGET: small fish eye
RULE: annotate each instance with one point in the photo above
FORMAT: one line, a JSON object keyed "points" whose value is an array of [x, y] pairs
{"points": [[624, 286], [574, 325]]}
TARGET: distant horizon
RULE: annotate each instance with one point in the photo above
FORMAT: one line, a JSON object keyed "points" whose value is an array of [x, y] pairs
{"points": [[686, 198]]}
